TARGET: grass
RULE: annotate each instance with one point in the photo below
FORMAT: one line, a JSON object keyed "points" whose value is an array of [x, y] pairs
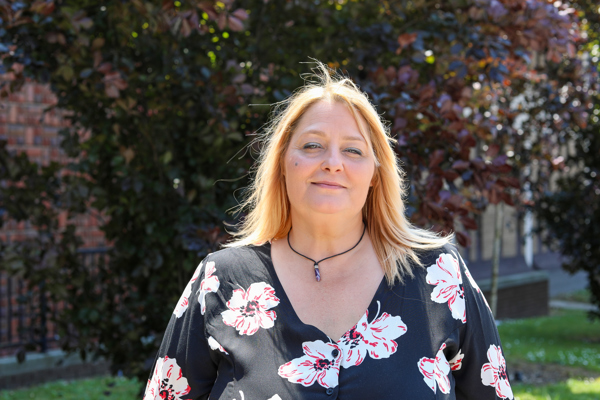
{"points": [[580, 296], [566, 338], [105, 388], [572, 389]]}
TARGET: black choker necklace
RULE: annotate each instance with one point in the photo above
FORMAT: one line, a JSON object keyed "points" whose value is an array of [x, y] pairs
{"points": [[317, 273]]}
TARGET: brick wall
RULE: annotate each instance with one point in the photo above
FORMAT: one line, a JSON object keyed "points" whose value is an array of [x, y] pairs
{"points": [[25, 127], [520, 295], [530, 300]]}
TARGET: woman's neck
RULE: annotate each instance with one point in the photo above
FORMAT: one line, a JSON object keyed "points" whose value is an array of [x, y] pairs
{"points": [[325, 237]]}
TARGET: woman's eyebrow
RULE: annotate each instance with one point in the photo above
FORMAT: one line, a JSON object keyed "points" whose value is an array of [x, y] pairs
{"points": [[321, 133]]}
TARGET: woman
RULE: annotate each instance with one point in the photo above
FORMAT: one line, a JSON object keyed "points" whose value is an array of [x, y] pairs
{"points": [[280, 313]]}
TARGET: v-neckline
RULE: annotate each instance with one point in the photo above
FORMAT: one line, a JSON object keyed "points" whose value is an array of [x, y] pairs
{"points": [[282, 294]]}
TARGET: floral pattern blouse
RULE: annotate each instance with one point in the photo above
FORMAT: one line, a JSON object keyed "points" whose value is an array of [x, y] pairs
{"points": [[234, 335]]}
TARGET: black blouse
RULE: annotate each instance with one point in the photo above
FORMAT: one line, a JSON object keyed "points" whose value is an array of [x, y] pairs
{"points": [[235, 335]]}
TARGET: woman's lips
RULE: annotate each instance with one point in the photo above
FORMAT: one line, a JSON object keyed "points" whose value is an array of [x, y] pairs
{"points": [[328, 185]]}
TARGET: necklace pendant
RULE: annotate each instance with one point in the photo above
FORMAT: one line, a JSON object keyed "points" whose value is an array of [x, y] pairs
{"points": [[317, 273]]}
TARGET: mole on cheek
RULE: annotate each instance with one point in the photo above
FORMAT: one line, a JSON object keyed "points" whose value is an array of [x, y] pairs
{"points": [[296, 164]]}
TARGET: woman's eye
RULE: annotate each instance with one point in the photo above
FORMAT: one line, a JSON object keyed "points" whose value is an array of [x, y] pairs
{"points": [[311, 146], [355, 151]]}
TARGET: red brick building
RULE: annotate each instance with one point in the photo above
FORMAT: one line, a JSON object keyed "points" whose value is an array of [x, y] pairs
{"points": [[25, 126]]}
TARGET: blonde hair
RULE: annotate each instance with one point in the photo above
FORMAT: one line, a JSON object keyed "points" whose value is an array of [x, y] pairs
{"points": [[394, 238]]}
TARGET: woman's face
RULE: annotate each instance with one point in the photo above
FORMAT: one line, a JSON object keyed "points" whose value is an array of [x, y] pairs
{"points": [[328, 165]]}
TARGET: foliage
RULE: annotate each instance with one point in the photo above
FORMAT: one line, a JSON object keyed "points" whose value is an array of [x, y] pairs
{"points": [[567, 339], [571, 213], [92, 389], [457, 95], [35, 195], [159, 99]]}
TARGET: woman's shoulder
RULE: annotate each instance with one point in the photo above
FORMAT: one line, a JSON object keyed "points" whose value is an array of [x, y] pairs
{"points": [[237, 258], [430, 256], [232, 253]]}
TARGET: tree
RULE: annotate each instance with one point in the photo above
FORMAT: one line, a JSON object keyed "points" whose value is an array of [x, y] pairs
{"points": [[570, 214], [160, 97]]}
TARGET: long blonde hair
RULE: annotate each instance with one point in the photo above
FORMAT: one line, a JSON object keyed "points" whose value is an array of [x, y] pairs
{"points": [[394, 238]]}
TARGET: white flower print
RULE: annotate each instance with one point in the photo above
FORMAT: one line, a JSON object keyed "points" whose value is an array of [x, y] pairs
{"points": [[210, 284], [456, 362], [321, 363], [212, 342], [375, 339], [183, 302], [241, 396], [445, 274], [436, 370], [275, 397], [248, 310], [494, 373], [167, 382], [472, 281], [474, 284]]}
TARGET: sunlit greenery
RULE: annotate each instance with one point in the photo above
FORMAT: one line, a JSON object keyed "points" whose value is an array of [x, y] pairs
{"points": [[103, 388], [572, 389], [567, 338]]}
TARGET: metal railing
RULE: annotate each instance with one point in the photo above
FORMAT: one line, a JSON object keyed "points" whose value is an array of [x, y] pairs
{"points": [[25, 313]]}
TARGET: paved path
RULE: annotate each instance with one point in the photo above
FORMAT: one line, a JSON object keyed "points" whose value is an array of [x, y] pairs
{"points": [[563, 282], [571, 305]]}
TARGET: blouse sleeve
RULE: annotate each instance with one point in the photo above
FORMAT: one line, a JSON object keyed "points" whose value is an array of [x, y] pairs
{"points": [[184, 367], [479, 367]]}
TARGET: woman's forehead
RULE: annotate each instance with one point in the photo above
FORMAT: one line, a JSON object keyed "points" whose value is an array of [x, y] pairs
{"points": [[333, 114]]}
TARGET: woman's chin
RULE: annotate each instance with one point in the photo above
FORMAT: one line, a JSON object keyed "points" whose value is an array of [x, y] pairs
{"points": [[329, 208]]}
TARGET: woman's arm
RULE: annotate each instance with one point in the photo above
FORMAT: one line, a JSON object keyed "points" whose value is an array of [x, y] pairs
{"points": [[479, 367], [184, 367]]}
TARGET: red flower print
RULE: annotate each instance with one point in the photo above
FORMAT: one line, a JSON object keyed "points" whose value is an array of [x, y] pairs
{"points": [[494, 373], [210, 284], [321, 363], [167, 382], [436, 370], [183, 302], [212, 342], [456, 362], [375, 339], [248, 310], [445, 274]]}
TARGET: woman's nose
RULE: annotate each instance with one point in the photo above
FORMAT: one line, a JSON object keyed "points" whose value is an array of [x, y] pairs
{"points": [[333, 161]]}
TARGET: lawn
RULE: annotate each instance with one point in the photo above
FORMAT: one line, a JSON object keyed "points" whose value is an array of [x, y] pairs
{"points": [[565, 347], [572, 389], [579, 296], [564, 338], [105, 388]]}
